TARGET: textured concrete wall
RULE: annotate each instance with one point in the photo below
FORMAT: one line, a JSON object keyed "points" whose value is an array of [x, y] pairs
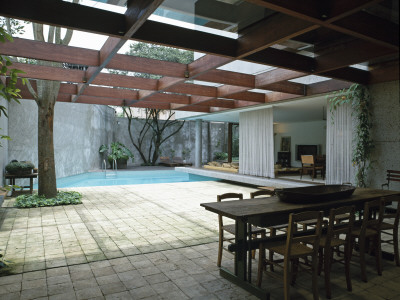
{"points": [[213, 136], [79, 130], [385, 106], [4, 143]]}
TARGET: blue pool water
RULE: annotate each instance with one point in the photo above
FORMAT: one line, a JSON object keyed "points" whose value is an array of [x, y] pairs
{"points": [[127, 177]]}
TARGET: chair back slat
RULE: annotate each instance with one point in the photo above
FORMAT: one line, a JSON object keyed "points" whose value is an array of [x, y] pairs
{"points": [[393, 211], [347, 214], [312, 238], [368, 221], [231, 196], [307, 159], [261, 193]]}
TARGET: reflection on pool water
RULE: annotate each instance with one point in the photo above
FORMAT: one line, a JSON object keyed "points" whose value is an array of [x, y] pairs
{"points": [[127, 177]]}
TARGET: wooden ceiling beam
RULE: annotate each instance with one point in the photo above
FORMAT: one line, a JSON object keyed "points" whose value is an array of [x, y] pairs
{"points": [[195, 108], [248, 96], [387, 72], [369, 28], [277, 96], [343, 16], [270, 31], [136, 14], [152, 105], [206, 63], [276, 75], [175, 36], [100, 100], [354, 52], [228, 77], [348, 74], [50, 52], [193, 89], [168, 98], [327, 86], [65, 14], [283, 59], [287, 87]]}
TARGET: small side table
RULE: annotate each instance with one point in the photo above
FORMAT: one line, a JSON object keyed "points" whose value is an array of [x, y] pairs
{"points": [[12, 178]]}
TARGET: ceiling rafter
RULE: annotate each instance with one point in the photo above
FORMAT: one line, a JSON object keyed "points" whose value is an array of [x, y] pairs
{"points": [[136, 14], [377, 39]]}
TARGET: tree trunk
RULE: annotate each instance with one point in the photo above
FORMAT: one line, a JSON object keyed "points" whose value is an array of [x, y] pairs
{"points": [[47, 172]]}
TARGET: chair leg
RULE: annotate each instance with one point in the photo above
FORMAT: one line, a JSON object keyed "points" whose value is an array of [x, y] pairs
{"points": [[347, 255], [362, 250], [327, 272], [271, 253], [220, 245], [295, 270], [378, 254], [286, 278], [320, 260], [396, 246], [314, 264], [261, 255]]}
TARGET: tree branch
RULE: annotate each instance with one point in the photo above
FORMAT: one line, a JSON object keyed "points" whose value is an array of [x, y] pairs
{"points": [[38, 32]]}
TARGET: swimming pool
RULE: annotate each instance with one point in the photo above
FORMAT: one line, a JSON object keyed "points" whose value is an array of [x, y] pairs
{"points": [[127, 177]]}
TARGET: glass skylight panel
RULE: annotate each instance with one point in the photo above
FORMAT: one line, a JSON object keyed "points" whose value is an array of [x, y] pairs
{"points": [[118, 6], [260, 91], [245, 67], [310, 79]]}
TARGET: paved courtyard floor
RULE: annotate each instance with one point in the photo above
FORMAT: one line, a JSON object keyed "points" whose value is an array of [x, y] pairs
{"points": [[142, 242]]}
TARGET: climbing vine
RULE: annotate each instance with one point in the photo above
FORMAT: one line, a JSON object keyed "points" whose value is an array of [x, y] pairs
{"points": [[358, 96]]}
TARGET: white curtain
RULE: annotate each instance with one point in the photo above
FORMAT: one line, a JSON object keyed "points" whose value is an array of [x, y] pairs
{"points": [[339, 138], [256, 143]]}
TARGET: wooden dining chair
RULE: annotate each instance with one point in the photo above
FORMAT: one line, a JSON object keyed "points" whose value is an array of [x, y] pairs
{"points": [[272, 230], [295, 247], [368, 236], [230, 228], [338, 235], [308, 164], [390, 224]]}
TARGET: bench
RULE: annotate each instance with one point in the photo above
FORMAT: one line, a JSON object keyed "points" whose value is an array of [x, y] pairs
{"points": [[391, 175]]}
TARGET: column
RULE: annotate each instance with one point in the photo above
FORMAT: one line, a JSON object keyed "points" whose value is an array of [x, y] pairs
{"points": [[199, 136]]}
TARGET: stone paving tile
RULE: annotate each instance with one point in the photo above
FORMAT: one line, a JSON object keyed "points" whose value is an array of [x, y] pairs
{"points": [[94, 250]]}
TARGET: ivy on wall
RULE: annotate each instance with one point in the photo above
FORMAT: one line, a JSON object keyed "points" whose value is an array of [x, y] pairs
{"points": [[359, 98]]}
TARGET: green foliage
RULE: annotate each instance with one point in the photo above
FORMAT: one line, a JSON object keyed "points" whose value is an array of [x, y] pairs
{"points": [[19, 167], [359, 99], [8, 91], [220, 155], [62, 198], [117, 151], [186, 153]]}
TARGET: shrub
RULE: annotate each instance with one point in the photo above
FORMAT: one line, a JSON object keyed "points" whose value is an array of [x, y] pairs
{"points": [[19, 167], [62, 198], [220, 155]]}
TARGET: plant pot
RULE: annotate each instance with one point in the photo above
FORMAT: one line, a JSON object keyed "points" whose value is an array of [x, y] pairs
{"points": [[122, 163], [21, 172]]}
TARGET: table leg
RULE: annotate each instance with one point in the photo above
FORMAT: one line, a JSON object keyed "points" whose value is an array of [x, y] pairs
{"points": [[241, 276], [31, 185]]}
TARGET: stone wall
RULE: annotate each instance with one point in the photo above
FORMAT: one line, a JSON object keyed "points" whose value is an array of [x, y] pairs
{"points": [[4, 143], [79, 130], [213, 140], [385, 107]]}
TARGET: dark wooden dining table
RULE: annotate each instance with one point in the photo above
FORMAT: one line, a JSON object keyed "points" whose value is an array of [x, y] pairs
{"points": [[270, 211]]}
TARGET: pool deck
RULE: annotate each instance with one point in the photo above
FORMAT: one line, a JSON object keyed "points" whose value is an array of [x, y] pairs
{"points": [[150, 241]]}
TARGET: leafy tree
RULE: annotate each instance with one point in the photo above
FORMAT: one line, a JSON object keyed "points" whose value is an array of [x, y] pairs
{"points": [[8, 90], [153, 125]]}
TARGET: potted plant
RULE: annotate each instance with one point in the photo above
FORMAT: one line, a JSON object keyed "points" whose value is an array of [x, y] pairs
{"points": [[19, 167], [185, 154], [119, 152]]}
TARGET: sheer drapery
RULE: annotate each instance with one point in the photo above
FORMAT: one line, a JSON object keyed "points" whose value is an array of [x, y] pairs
{"points": [[256, 143], [339, 138]]}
